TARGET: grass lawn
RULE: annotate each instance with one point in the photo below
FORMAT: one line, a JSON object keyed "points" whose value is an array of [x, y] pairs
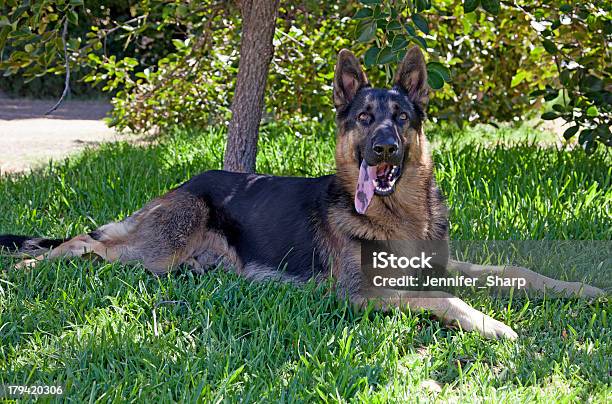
{"points": [[90, 325]]}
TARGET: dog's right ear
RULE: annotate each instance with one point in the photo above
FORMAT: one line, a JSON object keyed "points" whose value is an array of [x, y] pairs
{"points": [[348, 79], [411, 76]]}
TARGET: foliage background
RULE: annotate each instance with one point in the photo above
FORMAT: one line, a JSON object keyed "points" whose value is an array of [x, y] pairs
{"points": [[173, 63]]}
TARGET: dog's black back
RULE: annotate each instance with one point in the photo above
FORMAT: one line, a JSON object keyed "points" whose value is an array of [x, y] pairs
{"points": [[271, 221]]}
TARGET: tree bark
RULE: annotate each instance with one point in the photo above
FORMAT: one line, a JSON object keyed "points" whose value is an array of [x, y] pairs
{"points": [[256, 51]]}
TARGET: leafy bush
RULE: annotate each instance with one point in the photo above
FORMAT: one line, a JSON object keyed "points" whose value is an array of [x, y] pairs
{"points": [[500, 61]]}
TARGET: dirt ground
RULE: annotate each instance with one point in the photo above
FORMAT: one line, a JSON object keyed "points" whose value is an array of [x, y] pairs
{"points": [[29, 139]]}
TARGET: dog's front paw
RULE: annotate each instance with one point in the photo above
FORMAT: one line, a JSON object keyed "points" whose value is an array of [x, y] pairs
{"points": [[491, 328], [487, 326], [468, 318]]}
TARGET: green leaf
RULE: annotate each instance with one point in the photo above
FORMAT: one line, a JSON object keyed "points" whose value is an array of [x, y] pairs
{"points": [[565, 77], [381, 23], [537, 93], [399, 55], [400, 42], [570, 132], [518, 78], [76, 2], [585, 136], [587, 140], [592, 83], [370, 2], [592, 111], [492, 6], [590, 146], [371, 56], [363, 13], [603, 132], [393, 25], [419, 41], [435, 80], [439, 68], [566, 8], [385, 56], [470, 5], [410, 30], [422, 5], [421, 23], [551, 95], [3, 36], [73, 17], [182, 10], [367, 32], [549, 46], [559, 108], [549, 116]]}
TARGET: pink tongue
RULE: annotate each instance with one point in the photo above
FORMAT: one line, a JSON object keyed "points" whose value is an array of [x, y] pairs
{"points": [[365, 187]]}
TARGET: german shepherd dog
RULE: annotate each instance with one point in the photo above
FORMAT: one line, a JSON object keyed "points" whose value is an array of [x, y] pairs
{"points": [[384, 189]]}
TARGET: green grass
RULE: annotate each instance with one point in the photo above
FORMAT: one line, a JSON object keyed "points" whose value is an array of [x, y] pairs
{"points": [[90, 325]]}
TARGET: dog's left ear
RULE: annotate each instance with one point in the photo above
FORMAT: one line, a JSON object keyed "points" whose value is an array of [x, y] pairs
{"points": [[348, 79], [411, 76]]}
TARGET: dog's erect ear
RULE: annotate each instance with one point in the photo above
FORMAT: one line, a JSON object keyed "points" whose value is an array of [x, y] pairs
{"points": [[348, 78], [411, 76]]}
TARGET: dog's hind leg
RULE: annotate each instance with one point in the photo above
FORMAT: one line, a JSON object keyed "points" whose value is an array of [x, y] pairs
{"points": [[532, 280], [164, 234], [75, 247]]}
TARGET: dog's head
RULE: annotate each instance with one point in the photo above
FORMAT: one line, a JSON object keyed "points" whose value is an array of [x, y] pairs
{"points": [[377, 126]]}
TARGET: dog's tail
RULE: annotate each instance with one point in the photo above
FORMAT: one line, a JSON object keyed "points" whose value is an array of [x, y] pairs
{"points": [[26, 246]]}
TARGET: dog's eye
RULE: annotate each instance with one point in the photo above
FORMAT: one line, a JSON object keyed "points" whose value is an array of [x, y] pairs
{"points": [[403, 116], [364, 117]]}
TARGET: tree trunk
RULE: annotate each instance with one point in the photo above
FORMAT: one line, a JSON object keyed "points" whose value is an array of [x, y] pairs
{"points": [[256, 51]]}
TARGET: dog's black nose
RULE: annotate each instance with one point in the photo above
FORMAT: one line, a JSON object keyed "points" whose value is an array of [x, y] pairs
{"points": [[385, 145]]}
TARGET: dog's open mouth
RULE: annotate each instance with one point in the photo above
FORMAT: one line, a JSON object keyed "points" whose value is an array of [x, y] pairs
{"points": [[386, 175], [379, 179]]}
